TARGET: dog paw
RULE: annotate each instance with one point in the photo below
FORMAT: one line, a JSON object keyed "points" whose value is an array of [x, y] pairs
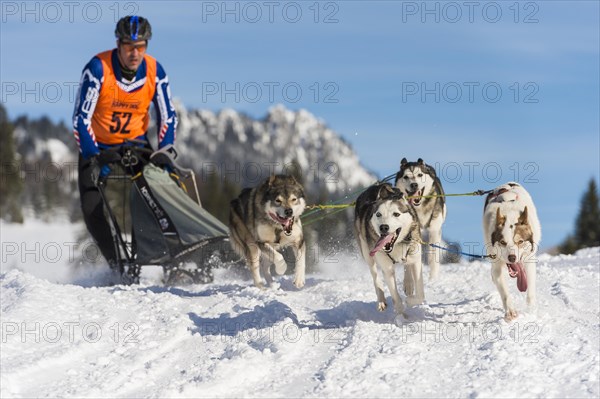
{"points": [[401, 319], [381, 306], [298, 282], [259, 285], [510, 315]]}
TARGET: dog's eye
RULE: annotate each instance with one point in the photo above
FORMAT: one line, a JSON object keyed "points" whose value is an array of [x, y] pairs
{"points": [[520, 242], [420, 174], [396, 214], [405, 177], [278, 202], [502, 242], [293, 200], [378, 214]]}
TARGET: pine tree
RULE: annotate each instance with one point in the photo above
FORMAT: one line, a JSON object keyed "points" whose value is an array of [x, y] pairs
{"points": [[216, 193], [10, 179], [587, 225]]}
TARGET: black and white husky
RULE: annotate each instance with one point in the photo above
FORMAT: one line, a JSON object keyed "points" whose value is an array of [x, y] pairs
{"points": [[387, 231], [512, 233], [416, 179], [265, 219]]}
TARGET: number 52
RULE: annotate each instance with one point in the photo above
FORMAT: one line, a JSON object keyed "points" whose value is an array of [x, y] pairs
{"points": [[120, 122]]}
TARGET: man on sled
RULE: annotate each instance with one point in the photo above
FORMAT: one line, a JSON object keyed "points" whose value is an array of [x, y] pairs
{"points": [[110, 123]]}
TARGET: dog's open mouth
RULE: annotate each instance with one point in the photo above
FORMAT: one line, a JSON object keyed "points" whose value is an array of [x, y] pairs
{"points": [[516, 270], [415, 197], [386, 242], [286, 223]]}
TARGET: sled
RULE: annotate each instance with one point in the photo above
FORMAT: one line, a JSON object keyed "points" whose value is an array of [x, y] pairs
{"points": [[169, 227]]}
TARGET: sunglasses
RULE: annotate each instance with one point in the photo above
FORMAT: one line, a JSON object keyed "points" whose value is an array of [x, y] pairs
{"points": [[129, 47]]}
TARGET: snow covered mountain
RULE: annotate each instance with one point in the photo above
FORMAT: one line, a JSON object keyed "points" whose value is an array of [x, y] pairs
{"points": [[246, 150], [64, 334], [227, 145]]}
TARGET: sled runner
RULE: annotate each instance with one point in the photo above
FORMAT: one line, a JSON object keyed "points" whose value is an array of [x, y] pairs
{"points": [[169, 227]]}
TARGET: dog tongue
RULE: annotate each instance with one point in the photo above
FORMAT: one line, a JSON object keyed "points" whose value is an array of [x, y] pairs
{"points": [[521, 275], [381, 243], [284, 222], [415, 197]]}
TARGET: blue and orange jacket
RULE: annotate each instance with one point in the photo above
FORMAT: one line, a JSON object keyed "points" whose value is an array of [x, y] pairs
{"points": [[110, 109]]}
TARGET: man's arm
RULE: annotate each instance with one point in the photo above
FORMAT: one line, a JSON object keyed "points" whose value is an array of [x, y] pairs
{"points": [[87, 98], [166, 118]]}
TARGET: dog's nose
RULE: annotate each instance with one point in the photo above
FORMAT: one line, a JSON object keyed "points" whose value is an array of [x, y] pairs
{"points": [[289, 212], [384, 228], [512, 258], [414, 186]]}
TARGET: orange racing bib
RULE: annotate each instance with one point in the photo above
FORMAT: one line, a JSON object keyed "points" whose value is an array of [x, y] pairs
{"points": [[121, 112]]}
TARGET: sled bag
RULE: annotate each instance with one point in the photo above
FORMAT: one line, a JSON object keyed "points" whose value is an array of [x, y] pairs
{"points": [[165, 219]]}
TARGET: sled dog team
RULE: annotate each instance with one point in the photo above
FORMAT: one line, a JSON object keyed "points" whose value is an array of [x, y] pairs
{"points": [[389, 224]]}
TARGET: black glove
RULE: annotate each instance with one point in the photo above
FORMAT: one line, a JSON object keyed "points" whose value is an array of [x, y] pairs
{"points": [[101, 165], [107, 157]]}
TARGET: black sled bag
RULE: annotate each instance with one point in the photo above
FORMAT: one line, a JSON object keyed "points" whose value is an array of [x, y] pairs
{"points": [[167, 223]]}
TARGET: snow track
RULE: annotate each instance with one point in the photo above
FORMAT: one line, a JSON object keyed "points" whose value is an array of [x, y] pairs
{"points": [[229, 339]]}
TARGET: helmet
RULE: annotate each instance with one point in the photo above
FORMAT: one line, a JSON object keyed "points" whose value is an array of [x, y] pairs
{"points": [[133, 28]]}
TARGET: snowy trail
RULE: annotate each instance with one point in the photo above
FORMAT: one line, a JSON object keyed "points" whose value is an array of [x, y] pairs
{"points": [[229, 339]]}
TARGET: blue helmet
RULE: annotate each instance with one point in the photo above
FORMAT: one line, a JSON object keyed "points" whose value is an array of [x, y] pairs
{"points": [[133, 28]]}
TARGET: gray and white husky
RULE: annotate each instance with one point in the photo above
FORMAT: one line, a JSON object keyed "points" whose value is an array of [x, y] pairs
{"points": [[387, 231], [264, 220], [417, 179], [512, 232]]}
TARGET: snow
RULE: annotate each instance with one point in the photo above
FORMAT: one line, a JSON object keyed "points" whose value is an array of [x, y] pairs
{"points": [[59, 151], [68, 336]]}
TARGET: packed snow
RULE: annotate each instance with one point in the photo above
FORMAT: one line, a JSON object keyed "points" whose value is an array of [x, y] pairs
{"points": [[66, 333]]}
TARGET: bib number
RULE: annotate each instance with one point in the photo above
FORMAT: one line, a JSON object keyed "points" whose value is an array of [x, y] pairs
{"points": [[120, 122]]}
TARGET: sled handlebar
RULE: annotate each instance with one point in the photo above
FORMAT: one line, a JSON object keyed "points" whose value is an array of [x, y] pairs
{"points": [[136, 152], [128, 154]]}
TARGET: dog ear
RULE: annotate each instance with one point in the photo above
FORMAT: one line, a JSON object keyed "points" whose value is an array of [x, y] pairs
{"points": [[523, 217], [403, 162], [387, 191], [499, 218], [383, 191], [271, 180], [396, 194], [420, 161]]}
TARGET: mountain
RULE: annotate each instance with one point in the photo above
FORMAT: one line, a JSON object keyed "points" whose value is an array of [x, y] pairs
{"points": [[247, 150], [228, 150], [46, 160]]}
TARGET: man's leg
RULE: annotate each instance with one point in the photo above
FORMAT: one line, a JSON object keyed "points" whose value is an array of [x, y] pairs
{"points": [[93, 212]]}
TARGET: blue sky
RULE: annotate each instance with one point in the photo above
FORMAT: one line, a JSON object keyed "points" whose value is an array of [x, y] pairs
{"points": [[486, 91]]}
